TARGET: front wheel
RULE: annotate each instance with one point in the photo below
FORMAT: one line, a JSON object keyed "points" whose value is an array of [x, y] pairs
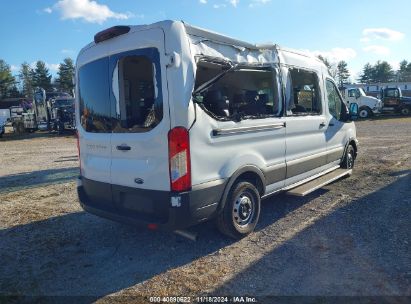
{"points": [[364, 112], [241, 211], [349, 158]]}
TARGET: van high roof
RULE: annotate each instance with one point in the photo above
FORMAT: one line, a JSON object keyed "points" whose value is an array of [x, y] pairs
{"points": [[207, 35]]}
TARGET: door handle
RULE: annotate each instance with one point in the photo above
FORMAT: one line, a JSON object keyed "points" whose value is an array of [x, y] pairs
{"points": [[123, 148], [331, 124], [322, 124]]}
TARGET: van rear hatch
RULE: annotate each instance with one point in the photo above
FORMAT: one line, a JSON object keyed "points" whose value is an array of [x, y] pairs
{"points": [[123, 106]]}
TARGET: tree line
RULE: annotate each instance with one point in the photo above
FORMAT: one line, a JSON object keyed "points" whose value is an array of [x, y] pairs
{"points": [[39, 76], [381, 71], [29, 78]]}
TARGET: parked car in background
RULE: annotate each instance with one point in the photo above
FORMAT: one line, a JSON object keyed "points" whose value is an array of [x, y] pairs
{"points": [[394, 101], [368, 105]]}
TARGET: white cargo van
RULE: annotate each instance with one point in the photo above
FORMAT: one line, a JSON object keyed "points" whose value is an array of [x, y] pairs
{"points": [[368, 105], [178, 125]]}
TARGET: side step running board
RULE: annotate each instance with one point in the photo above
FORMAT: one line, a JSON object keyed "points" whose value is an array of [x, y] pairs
{"points": [[319, 182]]}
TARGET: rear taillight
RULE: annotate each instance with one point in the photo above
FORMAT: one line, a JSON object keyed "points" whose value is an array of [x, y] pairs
{"points": [[78, 150], [179, 159]]}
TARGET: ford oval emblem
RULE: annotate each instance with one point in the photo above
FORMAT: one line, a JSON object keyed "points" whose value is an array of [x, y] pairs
{"points": [[139, 181]]}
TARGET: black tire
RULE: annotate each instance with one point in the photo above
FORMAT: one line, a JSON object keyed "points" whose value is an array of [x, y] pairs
{"points": [[241, 211], [20, 128], [60, 128], [405, 111], [364, 112], [349, 158]]}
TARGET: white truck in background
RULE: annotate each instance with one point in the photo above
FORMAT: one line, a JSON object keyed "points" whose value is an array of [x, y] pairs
{"points": [[367, 105]]}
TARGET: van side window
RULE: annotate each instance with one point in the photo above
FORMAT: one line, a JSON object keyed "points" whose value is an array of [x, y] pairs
{"points": [[242, 93], [303, 93], [94, 96], [139, 108], [334, 100]]}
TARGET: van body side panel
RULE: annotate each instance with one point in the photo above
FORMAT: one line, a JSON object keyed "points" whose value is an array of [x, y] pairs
{"points": [[305, 133], [306, 148], [338, 134], [216, 157], [180, 75]]}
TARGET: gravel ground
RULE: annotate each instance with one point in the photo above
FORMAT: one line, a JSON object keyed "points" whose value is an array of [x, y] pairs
{"points": [[349, 238]]}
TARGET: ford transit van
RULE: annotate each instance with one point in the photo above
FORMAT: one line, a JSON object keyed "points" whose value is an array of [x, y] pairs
{"points": [[178, 125]]}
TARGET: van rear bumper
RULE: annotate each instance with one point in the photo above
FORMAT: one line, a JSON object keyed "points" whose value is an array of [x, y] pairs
{"points": [[167, 210]]}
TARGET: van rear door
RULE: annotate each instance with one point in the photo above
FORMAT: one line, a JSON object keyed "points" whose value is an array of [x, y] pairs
{"points": [[94, 130], [140, 113]]}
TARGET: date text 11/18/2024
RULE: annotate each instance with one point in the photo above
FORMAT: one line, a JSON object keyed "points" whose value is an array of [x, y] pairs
{"points": [[203, 299]]}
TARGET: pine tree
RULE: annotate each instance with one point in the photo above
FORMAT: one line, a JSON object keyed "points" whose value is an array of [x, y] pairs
{"points": [[65, 76], [7, 80], [367, 74], [26, 76], [14, 92], [404, 73], [342, 73], [383, 72], [42, 77]]}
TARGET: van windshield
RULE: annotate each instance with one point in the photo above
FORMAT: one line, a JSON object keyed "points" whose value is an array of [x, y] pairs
{"points": [[362, 93]]}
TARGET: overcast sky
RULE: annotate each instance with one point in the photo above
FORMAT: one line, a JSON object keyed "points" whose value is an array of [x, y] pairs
{"points": [[357, 31]]}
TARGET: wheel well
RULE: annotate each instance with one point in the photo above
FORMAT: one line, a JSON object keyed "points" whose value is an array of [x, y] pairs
{"points": [[253, 178], [367, 108], [354, 145]]}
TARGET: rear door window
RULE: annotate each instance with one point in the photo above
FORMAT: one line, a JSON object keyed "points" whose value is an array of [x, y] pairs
{"points": [[95, 114], [137, 104], [121, 93]]}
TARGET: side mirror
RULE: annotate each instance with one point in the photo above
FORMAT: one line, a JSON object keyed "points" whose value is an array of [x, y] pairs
{"points": [[353, 111]]}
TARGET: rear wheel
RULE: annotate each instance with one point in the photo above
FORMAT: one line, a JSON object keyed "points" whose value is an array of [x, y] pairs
{"points": [[364, 112], [349, 158], [241, 211]]}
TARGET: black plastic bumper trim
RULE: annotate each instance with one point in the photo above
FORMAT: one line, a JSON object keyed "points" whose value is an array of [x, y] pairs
{"points": [[142, 207]]}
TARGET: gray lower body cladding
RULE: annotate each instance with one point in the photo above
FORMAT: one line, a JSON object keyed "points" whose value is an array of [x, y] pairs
{"points": [[142, 207]]}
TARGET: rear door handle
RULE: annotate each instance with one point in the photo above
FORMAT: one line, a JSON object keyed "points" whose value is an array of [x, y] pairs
{"points": [[123, 148], [322, 124]]}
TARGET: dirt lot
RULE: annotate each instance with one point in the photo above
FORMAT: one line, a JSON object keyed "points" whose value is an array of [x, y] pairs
{"points": [[350, 238]]}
